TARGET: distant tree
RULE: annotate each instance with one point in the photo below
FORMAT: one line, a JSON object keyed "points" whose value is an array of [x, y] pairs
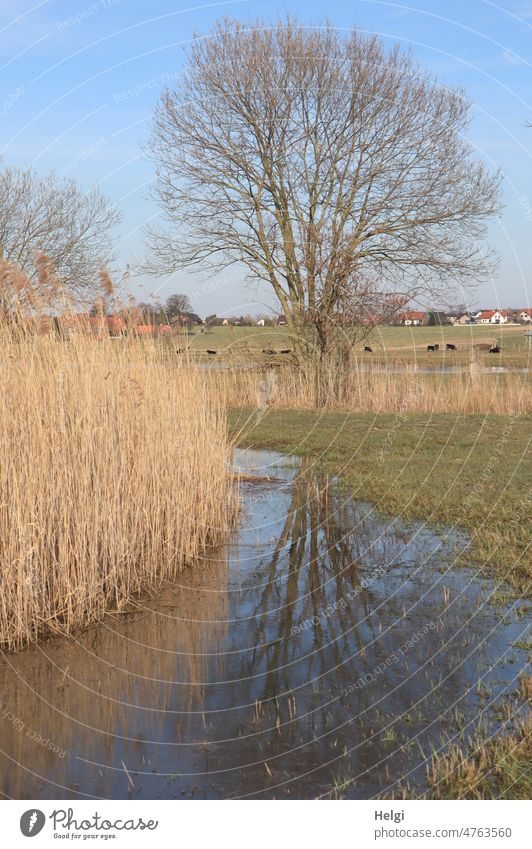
{"points": [[437, 318], [152, 313], [214, 321], [55, 217], [176, 305]]}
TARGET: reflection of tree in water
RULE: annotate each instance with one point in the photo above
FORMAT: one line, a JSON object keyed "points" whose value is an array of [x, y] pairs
{"points": [[319, 582], [319, 629]]}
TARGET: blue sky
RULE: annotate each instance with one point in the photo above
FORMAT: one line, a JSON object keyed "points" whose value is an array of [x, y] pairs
{"points": [[80, 79]]}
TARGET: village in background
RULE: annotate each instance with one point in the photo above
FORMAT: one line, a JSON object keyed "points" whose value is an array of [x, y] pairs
{"points": [[157, 319]]}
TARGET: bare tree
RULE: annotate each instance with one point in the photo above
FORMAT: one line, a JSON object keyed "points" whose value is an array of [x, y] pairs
{"points": [[55, 217], [176, 306], [330, 167]]}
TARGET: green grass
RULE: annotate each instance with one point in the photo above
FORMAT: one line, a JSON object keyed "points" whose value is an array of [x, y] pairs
{"points": [[406, 345], [409, 338], [423, 467], [496, 768]]}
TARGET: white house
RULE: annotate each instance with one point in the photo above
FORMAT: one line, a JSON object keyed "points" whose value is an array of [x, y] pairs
{"points": [[492, 317], [525, 315], [412, 318]]}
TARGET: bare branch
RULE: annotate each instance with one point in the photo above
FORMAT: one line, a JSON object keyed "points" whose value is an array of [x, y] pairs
{"points": [[328, 166], [54, 217]]}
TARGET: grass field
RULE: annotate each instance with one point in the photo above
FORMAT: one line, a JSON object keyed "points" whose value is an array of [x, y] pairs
{"points": [[388, 343], [471, 471]]}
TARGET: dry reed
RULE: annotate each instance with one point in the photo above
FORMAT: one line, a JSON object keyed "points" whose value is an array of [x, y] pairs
{"points": [[371, 389], [113, 476]]}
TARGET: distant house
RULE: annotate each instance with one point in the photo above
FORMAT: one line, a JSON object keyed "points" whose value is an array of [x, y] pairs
{"points": [[107, 325], [461, 319], [260, 322], [525, 315], [151, 330], [143, 330], [492, 317], [281, 321], [412, 318]]}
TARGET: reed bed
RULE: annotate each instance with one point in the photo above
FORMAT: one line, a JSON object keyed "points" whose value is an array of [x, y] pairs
{"points": [[373, 389], [113, 476]]}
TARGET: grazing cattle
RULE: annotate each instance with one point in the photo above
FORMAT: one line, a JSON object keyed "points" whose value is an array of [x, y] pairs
{"points": [[286, 351], [209, 351], [450, 347], [436, 347], [495, 349], [431, 348], [368, 349]]}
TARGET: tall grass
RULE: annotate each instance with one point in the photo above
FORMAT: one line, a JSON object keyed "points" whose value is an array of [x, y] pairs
{"points": [[374, 389], [113, 475]]}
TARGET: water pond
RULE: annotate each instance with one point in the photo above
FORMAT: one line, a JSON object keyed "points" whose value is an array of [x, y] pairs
{"points": [[324, 651]]}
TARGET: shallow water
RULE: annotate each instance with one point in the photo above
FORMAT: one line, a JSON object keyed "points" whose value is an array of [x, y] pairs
{"points": [[324, 645], [391, 368]]}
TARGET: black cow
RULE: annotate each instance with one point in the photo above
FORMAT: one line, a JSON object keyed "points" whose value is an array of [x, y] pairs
{"points": [[431, 348], [286, 351], [450, 347], [368, 349], [495, 349], [436, 347], [211, 352]]}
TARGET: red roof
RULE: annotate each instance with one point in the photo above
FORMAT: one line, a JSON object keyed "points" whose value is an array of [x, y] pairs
{"points": [[527, 311], [412, 315], [144, 329], [491, 313]]}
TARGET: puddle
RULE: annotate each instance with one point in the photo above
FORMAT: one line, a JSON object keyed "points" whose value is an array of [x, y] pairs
{"points": [[324, 643]]}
